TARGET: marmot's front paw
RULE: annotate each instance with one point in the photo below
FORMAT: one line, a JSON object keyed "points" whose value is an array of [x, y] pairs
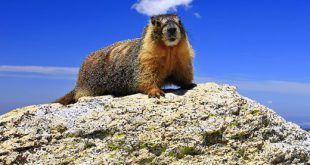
{"points": [[189, 86], [156, 92]]}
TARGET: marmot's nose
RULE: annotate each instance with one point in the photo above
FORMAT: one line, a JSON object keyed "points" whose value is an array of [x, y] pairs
{"points": [[172, 30]]}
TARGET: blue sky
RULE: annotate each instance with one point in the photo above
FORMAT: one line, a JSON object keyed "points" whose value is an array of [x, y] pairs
{"points": [[261, 46]]}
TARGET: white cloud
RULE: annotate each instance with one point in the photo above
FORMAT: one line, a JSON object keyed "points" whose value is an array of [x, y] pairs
{"points": [[275, 86], [204, 79], [154, 7], [39, 69], [41, 72], [269, 102], [304, 124], [197, 15], [288, 87], [33, 76]]}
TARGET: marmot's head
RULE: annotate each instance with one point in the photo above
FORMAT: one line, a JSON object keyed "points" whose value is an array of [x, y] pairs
{"points": [[167, 28]]}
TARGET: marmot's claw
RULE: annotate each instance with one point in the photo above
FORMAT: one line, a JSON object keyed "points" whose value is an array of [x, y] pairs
{"points": [[189, 86], [156, 93], [162, 93]]}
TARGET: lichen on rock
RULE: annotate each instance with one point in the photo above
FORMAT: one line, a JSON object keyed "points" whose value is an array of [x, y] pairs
{"points": [[210, 124]]}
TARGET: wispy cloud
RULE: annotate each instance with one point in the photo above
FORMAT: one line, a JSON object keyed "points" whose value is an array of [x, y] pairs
{"points": [[305, 125], [34, 76], [39, 69], [154, 7], [275, 86], [49, 72], [71, 73], [289, 87], [197, 15]]}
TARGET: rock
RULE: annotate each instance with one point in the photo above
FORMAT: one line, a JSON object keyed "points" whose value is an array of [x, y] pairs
{"points": [[211, 124]]}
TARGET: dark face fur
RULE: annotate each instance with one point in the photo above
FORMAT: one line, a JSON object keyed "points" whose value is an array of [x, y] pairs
{"points": [[167, 28]]}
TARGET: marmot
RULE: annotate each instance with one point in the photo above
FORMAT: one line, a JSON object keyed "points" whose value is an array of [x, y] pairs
{"points": [[162, 56]]}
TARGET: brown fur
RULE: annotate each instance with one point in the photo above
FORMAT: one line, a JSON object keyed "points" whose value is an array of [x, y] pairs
{"points": [[160, 62], [67, 99], [139, 65]]}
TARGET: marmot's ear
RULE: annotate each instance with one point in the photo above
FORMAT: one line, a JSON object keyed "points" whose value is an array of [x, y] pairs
{"points": [[153, 20]]}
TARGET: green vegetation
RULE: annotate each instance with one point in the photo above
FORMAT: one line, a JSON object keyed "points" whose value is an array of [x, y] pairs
{"points": [[116, 145], [211, 138], [119, 136], [156, 149], [113, 146], [241, 153], [255, 112], [59, 128], [240, 136], [211, 116], [183, 151], [71, 135], [89, 145], [148, 160], [234, 124]]}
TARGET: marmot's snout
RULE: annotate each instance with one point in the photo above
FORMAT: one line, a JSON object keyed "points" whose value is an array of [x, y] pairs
{"points": [[171, 31]]}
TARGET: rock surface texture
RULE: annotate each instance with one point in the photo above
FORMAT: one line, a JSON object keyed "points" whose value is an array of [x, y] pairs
{"points": [[211, 124]]}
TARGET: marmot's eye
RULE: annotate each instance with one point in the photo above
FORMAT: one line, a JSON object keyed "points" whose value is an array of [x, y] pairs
{"points": [[153, 22], [158, 23]]}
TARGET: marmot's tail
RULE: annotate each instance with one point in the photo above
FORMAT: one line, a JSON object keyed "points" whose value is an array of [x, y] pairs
{"points": [[67, 99]]}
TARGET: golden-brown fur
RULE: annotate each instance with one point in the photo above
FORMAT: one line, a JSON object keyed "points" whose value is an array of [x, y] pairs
{"points": [[159, 62]]}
